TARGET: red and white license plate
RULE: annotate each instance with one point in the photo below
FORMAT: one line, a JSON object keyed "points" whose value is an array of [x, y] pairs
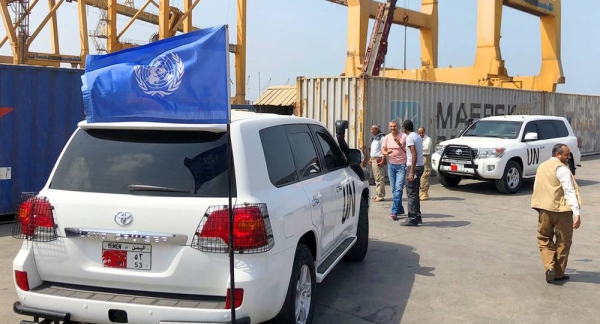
{"points": [[127, 255], [457, 167]]}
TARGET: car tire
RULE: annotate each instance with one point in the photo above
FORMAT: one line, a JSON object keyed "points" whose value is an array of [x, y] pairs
{"points": [[303, 281], [572, 165], [512, 178], [359, 250], [448, 180]]}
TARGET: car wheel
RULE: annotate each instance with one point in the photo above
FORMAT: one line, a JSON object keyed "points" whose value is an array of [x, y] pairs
{"points": [[359, 250], [298, 307], [511, 179], [448, 180], [572, 165]]}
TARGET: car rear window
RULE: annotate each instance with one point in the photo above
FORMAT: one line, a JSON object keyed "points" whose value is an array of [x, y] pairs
{"points": [[145, 162]]}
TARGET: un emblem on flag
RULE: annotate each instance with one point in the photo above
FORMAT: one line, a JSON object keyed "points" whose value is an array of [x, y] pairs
{"points": [[162, 76]]}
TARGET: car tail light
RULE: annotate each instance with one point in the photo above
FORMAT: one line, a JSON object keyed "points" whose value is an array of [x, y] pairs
{"points": [[23, 282], [35, 221], [579, 141], [239, 297], [251, 229]]}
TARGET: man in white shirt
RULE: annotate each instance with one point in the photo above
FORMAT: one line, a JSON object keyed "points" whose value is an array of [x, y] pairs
{"points": [[414, 168], [557, 200], [424, 190], [378, 162]]}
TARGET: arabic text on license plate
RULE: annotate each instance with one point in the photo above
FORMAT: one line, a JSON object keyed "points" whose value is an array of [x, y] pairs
{"points": [[126, 255]]}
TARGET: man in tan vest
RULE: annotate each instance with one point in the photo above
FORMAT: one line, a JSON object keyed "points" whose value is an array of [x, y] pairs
{"points": [[557, 200]]}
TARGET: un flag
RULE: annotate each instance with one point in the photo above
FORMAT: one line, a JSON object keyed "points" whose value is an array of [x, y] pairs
{"points": [[181, 79]]}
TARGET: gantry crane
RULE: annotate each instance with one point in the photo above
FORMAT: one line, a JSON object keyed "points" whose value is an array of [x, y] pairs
{"points": [[488, 69], [170, 20]]}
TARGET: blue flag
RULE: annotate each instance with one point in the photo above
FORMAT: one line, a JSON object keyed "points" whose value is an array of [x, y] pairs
{"points": [[181, 79]]}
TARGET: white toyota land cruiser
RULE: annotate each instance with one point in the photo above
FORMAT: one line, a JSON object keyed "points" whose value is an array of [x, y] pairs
{"points": [[503, 149], [132, 225]]}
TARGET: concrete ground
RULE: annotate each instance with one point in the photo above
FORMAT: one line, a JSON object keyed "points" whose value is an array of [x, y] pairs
{"points": [[474, 260]]}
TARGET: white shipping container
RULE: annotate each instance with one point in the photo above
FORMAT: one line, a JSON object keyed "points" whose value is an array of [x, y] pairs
{"points": [[443, 109]]}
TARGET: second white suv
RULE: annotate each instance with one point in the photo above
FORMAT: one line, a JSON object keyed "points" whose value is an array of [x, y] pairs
{"points": [[503, 149], [133, 223]]}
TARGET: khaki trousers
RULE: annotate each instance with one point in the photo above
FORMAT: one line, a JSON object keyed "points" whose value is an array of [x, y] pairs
{"points": [[378, 174], [555, 254], [424, 190]]}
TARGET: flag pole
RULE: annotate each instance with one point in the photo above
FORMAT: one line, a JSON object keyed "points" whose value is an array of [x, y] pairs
{"points": [[230, 180], [230, 208]]}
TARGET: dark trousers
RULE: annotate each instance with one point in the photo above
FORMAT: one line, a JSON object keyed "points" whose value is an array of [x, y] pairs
{"points": [[412, 193]]}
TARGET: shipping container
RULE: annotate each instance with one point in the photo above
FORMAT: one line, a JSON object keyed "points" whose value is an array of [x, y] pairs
{"points": [[443, 109], [39, 110]]}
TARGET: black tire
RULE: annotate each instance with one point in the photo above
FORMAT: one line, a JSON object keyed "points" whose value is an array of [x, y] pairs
{"points": [[359, 250], [511, 179], [448, 180], [304, 265], [572, 165]]}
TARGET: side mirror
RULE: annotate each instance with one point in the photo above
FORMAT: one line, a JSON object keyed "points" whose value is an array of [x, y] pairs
{"points": [[354, 156], [340, 127], [531, 137]]}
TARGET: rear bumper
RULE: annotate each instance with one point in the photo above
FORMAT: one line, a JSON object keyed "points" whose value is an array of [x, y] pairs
{"points": [[62, 317], [42, 313], [264, 280]]}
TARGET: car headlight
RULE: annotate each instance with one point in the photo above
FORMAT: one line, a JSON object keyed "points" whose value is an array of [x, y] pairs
{"points": [[484, 153], [439, 149]]}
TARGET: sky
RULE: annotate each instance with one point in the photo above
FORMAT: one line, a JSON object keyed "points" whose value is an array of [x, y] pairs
{"points": [[291, 38]]}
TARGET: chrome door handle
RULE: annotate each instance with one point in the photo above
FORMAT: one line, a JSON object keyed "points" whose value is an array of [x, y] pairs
{"points": [[315, 202], [338, 188]]}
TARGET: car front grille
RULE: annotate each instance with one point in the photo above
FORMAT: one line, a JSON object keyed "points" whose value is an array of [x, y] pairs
{"points": [[460, 152]]}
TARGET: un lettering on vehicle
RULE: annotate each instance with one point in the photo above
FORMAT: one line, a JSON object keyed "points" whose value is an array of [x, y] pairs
{"points": [[349, 207], [533, 155]]}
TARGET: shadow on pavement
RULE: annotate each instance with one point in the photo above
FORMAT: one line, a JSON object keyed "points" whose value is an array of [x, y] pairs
{"points": [[583, 182], [583, 276], [6, 230], [590, 157], [375, 290], [489, 188], [445, 198]]}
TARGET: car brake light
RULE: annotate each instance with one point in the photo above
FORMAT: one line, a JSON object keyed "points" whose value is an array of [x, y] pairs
{"points": [[35, 221], [251, 229], [239, 297], [579, 141], [23, 283]]}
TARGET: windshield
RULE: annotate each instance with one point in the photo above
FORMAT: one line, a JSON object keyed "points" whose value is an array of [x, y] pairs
{"points": [[494, 128], [145, 162]]}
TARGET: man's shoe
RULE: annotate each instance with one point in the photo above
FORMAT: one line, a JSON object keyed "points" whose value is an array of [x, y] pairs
{"points": [[550, 275], [563, 278], [419, 220], [410, 222], [378, 199], [394, 217], [423, 197]]}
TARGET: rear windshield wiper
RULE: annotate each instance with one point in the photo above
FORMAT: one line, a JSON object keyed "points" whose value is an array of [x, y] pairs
{"points": [[134, 187]]}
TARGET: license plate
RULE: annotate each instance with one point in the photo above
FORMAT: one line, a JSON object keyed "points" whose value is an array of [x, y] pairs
{"points": [[127, 255], [457, 167]]}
